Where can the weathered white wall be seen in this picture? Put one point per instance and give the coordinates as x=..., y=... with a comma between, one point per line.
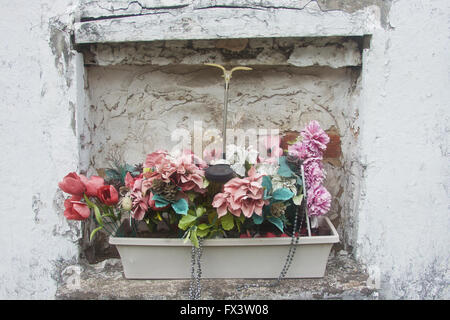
x=402, y=129
x=39, y=146
x=403, y=215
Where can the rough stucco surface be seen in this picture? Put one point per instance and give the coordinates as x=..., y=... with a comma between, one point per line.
x=404, y=209
x=39, y=146
x=400, y=217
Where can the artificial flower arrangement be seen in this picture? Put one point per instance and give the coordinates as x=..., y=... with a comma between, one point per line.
x=171, y=194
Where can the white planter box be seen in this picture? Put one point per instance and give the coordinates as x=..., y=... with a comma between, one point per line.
x=156, y=258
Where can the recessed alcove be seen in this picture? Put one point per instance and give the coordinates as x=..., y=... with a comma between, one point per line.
x=139, y=93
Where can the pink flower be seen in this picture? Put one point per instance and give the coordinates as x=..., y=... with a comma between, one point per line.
x=187, y=175
x=220, y=202
x=314, y=173
x=129, y=180
x=318, y=200
x=243, y=195
x=154, y=158
x=92, y=185
x=75, y=209
x=72, y=184
x=314, y=138
x=314, y=142
x=299, y=150
x=140, y=205
x=189, y=156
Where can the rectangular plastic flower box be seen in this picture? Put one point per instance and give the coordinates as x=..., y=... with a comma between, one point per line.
x=158, y=258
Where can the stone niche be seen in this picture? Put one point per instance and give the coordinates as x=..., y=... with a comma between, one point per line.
x=138, y=93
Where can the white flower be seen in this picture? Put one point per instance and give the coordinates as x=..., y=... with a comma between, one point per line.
x=279, y=182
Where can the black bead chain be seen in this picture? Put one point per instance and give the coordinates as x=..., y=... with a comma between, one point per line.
x=195, y=288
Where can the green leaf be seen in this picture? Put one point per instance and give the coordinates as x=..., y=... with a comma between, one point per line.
x=257, y=219
x=202, y=233
x=277, y=222
x=94, y=232
x=89, y=203
x=203, y=226
x=98, y=215
x=186, y=221
x=282, y=194
x=205, y=183
x=200, y=211
x=284, y=169
x=298, y=199
x=181, y=206
x=241, y=218
x=247, y=166
x=227, y=222
x=194, y=238
x=188, y=236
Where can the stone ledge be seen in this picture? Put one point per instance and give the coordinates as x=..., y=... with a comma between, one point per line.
x=344, y=279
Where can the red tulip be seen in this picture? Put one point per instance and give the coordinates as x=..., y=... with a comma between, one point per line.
x=72, y=184
x=76, y=210
x=284, y=235
x=108, y=195
x=93, y=184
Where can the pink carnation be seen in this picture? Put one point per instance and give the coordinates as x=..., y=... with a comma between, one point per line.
x=241, y=196
x=314, y=138
x=314, y=173
x=318, y=200
x=299, y=150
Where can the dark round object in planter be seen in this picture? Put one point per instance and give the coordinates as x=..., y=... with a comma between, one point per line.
x=220, y=173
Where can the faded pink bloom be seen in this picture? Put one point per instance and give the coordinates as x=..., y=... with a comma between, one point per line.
x=220, y=202
x=318, y=200
x=139, y=206
x=190, y=156
x=245, y=195
x=140, y=203
x=188, y=175
x=154, y=158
